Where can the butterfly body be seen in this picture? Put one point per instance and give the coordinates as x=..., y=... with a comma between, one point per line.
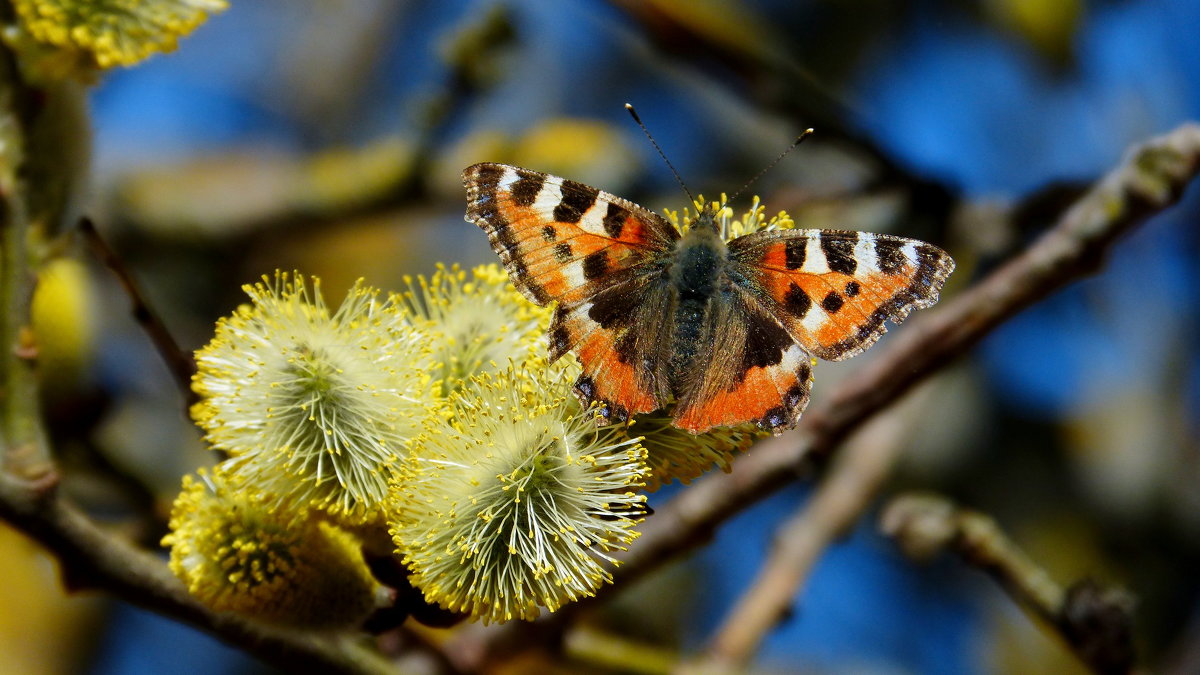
x=696, y=280
x=725, y=330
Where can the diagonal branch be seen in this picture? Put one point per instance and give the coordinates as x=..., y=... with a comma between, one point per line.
x=848, y=490
x=180, y=364
x=1151, y=178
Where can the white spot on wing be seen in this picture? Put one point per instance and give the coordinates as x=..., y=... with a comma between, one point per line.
x=815, y=318
x=549, y=197
x=593, y=218
x=507, y=179
x=793, y=357
x=573, y=271
x=864, y=252
x=814, y=258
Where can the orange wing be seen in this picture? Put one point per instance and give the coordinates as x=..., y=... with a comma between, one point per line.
x=561, y=240
x=600, y=258
x=833, y=290
x=755, y=371
x=798, y=293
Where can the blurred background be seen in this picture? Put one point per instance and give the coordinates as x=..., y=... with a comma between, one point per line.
x=328, y=136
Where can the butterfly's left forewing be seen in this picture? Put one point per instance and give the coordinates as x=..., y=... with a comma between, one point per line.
x=599, y=257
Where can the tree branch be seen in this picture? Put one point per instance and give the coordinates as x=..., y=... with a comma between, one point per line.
x=1151, y=178
x=92, y=559
x=1095, y=622
x=26, y=451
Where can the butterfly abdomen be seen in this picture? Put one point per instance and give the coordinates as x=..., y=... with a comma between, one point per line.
x=695, y=273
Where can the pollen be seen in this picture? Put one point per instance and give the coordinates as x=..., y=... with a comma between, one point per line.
x=476, y=320
x=675, y=454
x=753, y=220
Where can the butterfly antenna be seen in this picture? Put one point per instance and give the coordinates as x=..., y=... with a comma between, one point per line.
x=798, y=141
x=634, y=115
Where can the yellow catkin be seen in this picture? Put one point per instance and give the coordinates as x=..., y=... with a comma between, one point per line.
x=313, y=405
x=513, y=503
x=114, y=32
x=237, y=551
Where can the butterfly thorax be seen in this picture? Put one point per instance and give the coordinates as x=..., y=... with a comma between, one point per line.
x=696, y=274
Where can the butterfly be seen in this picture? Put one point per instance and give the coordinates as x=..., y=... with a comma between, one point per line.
x=726, y=330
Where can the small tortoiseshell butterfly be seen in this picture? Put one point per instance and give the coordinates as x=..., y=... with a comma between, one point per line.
x=725, y=329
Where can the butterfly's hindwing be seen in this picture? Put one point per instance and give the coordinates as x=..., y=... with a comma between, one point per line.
x=753, y=370
x=623, y=345
x=833, y=290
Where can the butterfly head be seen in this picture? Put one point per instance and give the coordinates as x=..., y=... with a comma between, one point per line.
x=707, y=219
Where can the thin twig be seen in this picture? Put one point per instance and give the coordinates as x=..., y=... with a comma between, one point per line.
x=27, y=451
x=1096, y=622
x=778, y=83
x=180, y=364
x=1151, y=178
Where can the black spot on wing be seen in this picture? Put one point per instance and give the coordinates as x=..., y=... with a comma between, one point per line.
x=832, y=302
x=486, y=177
x=562, y=253
x=612, y=413
x=612, y=308
x=626, y=347
x=929, y=262
x=889, y=256
x=585, y=389
x=775, y=418
x=795, y=250
x=766, y=341
x=614, y=220
x=549, y=235
x=560, y=339
x=839, y=251
x=577, y=198
x=852, y=289
x=796, y=301
x=525, y=190
x=595, y=265
x=794, y=401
